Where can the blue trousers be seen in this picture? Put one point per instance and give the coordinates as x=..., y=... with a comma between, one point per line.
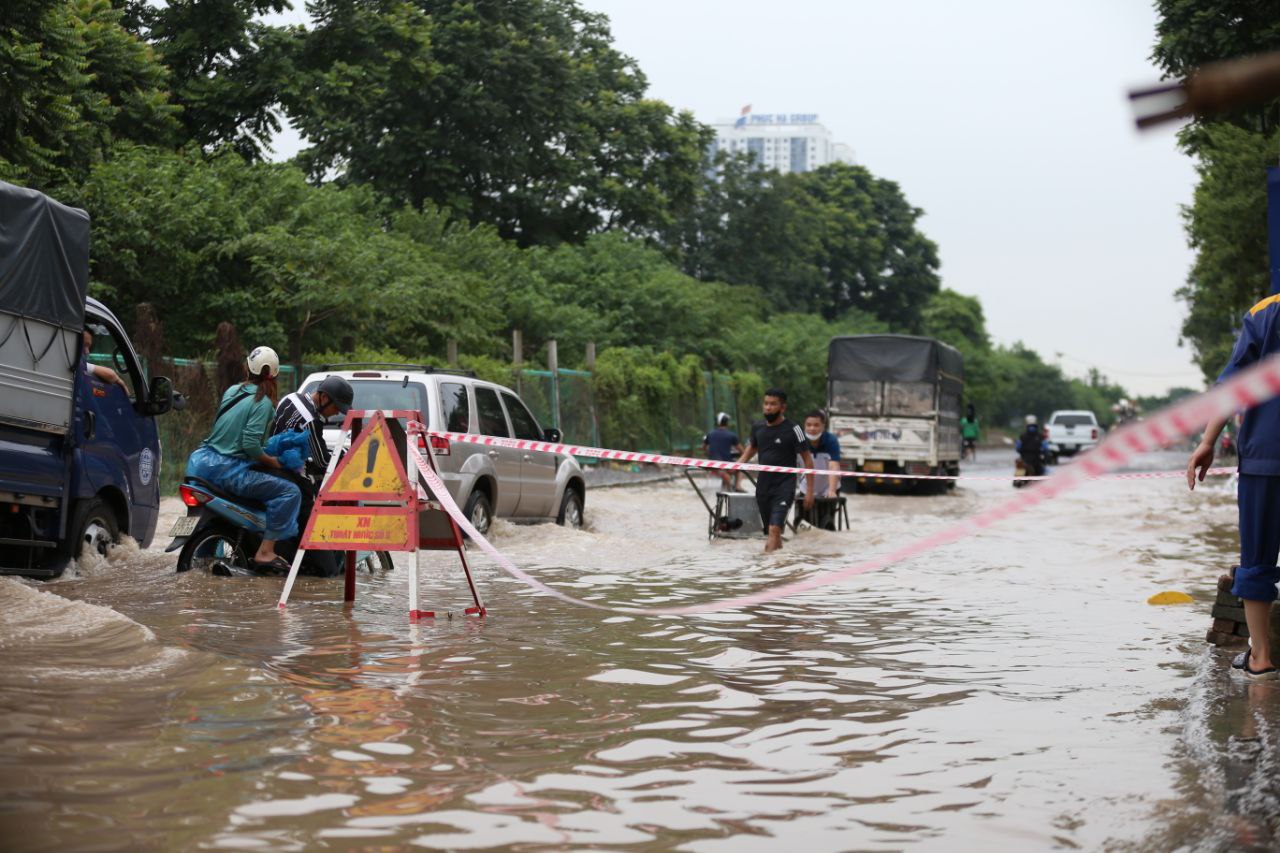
x=1258, y=497
x=237, y=476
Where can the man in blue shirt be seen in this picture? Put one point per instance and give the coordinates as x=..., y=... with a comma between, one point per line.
x=722, y=444
x=1258, y=490
x=825, y=449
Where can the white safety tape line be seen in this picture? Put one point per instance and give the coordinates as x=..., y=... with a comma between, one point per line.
x=441, y=493
x=1173, y=423
x=716, y=465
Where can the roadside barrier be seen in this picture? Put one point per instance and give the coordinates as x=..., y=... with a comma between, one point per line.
x=716, y=465
x=1173, y=423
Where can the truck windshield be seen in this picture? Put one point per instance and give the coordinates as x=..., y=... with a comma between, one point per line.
x=908, y=398
x=855, y=398
x=1073, y=420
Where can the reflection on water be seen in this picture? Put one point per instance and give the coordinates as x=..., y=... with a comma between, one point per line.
x=1011, y=689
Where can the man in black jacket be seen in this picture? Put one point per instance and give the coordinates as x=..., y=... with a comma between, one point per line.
x=299, y=412
x=778, y=441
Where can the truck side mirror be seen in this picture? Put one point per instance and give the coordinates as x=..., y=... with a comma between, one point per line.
x=161, y=397
x=552, y=435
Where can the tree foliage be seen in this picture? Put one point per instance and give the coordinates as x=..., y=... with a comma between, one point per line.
x=517, y=113
x=1226, y=222
x=227, y=70
x=823, y=241
x=72, y=82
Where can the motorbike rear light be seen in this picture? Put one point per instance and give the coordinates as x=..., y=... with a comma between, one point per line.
x=191, y=497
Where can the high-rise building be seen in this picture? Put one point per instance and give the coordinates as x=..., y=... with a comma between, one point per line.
x=788, y=142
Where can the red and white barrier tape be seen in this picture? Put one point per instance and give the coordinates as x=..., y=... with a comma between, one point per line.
x=716, y=465
x=1173, y=423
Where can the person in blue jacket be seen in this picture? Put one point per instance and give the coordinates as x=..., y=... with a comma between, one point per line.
x=1033, y=447
x=1257, y=491
x=236, y=444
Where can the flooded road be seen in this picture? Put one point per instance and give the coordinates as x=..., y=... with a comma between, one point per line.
x=1013, y=688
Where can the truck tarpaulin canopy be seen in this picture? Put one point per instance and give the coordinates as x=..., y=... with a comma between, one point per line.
x=892, y=358
x=44, y=258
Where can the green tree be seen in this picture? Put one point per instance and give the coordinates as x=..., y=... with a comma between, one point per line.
x=822, y=241
x=1191, y=33
x=518, y=113
x=72, y=82
x=1226, y=225
x=227, y=69
x=1226, y=222
x=294, y=266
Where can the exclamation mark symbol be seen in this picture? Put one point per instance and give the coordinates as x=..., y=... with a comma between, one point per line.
x=373, y=456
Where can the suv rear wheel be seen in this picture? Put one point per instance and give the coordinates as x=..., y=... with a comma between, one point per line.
x=479, y=512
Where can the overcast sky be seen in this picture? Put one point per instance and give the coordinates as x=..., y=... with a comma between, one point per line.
x=1005, y=120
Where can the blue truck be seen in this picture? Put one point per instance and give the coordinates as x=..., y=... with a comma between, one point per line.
x=79, y=446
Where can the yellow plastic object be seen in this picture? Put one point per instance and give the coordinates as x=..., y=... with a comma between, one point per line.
x=1170, y=597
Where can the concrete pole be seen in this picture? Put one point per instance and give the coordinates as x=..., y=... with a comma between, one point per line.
x=517, y=358
x=591, y=368
x=553, y=365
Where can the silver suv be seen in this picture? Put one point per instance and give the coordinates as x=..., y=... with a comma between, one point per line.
x=523, y=485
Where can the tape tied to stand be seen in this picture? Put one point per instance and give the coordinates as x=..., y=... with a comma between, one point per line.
x=1245, y=390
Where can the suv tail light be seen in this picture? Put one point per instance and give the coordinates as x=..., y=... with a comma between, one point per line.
x=439, y=444
x=191, y=497
x=1095, y=433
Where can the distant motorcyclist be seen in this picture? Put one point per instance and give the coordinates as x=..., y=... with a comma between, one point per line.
x=1032, y=447
x=236, y=444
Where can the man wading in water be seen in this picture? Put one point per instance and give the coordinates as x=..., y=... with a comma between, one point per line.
x=1258, y=491
x=778, y=441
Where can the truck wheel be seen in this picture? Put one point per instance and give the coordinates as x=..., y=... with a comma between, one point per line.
x=570, y=510
x=94, y=529
x=479, y=512
x=216, y=543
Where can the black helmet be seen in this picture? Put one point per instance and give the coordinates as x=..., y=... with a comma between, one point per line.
x=339, y=391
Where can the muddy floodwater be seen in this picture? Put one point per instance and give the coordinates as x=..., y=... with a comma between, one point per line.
x=1013, y=689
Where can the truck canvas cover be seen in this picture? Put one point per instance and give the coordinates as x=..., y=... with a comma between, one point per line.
x=44, y=277
x=893, y=358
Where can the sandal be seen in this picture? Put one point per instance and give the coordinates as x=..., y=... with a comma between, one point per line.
x=277, y=566
x=1271, y=673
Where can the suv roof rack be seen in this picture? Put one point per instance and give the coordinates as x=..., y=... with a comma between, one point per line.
x=419, y=368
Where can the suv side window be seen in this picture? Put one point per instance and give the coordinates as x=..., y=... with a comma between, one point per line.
x=525, y=426
x=457, y=408
x=490, y=410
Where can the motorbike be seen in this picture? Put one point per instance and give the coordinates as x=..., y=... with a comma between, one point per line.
x=1023, y=468
x=221, y=532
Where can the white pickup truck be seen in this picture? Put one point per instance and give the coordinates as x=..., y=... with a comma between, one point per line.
x=1071, y=431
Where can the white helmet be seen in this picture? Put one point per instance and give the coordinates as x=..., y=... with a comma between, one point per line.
x=1029, y=420
x=263, y=357
x=722, y=419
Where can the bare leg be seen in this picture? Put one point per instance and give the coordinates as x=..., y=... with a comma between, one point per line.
x=1258, y=615
x=266, y=551
x=775, y=539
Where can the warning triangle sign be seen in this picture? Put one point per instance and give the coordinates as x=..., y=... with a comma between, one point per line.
x=371, y=470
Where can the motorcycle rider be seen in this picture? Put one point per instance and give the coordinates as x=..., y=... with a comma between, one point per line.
x=1032, y=447
x=226, y=458
x=299, y=412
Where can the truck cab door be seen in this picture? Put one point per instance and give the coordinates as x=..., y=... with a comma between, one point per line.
x=116, y=440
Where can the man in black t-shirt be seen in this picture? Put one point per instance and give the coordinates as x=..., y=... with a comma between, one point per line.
x=778, y=441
